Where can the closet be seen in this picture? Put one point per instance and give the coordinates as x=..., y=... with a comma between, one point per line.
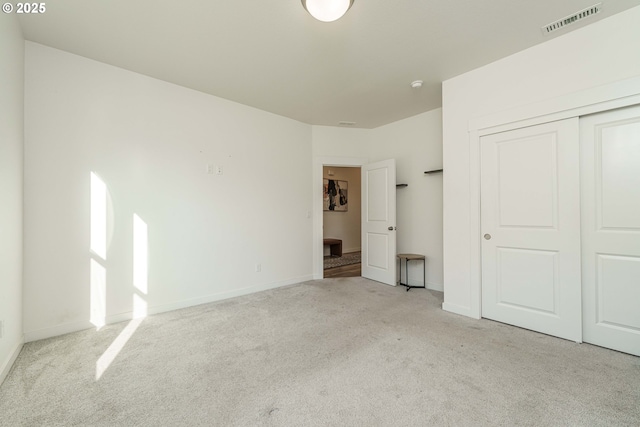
x=560, y=224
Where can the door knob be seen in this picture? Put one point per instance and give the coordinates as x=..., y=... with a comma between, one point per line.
x=391, y=228
x=487, y=236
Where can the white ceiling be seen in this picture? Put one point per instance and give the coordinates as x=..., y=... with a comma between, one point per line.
x=272, y=55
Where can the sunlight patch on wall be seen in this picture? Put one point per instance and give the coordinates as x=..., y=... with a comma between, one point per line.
x=140, y=266
x=98, y=216
x=139, y=307
x=98, y=309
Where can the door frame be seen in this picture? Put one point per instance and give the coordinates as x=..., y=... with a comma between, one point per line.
x=589, y=101
x=318, y=164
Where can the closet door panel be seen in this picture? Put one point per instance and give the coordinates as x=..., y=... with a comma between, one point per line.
x=610, y=174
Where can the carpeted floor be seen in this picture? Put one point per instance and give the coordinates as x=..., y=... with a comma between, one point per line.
x=323, y=353
x=346, y=259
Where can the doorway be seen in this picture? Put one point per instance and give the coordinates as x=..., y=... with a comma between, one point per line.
x=318, y=211
x=341, y=221
x=378, y=213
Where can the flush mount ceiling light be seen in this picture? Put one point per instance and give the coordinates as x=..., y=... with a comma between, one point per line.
x=327, y=10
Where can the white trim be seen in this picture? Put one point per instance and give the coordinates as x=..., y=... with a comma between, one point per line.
x=54, y=331
x=619, y=94
x=475, y=252
x=601, y=98
x=318, y=163
x=430, y=285
x=6, y=368
x=163, y=308
x=226, y=295
x=458, y=309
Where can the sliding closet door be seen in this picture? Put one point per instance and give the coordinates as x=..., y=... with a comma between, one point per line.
x=530, y=208
x=610, y=151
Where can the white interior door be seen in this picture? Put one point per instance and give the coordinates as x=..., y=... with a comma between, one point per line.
x=379, y=221
x=530, y=208
x=611, y=229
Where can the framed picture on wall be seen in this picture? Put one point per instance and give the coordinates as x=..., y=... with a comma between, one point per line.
x=336, y=195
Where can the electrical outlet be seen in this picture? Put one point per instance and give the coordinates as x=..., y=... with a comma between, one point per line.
x=210, y=169
x=218, y=170
x=258, y=268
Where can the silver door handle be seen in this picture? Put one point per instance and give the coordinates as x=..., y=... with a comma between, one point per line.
x=391, y=228
x=487, y=236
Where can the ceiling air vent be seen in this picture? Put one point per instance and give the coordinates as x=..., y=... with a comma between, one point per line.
x=561, y=23
x=344, y=123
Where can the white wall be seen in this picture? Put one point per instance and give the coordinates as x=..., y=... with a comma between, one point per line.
x=11, y=169
x=601, y=53
x=150, y=142
x=416, y=144
x=344, y=225
x=328, y=141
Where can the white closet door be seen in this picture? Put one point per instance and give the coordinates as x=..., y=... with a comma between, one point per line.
x=530, y=207
x=611, y=229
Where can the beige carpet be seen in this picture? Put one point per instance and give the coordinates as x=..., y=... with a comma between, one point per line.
x=333, y=352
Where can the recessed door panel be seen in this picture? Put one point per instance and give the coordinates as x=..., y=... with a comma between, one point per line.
x=377, y=209
x=618, y=180
x=618, y=292
x=527, y=182
x=377, y=249
x=528, y=279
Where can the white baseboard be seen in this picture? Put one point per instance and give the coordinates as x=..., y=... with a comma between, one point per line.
x=435, y=286
x=163, y=308
x=54, y=331
x=220, y=296
x=6, y=366
x=458, y=309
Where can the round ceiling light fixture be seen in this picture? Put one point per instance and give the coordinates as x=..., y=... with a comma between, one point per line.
x=327, y=10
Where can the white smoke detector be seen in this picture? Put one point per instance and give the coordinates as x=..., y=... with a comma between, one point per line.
x=416, y=84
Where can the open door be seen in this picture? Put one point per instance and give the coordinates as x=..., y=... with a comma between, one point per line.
x=379, y=221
